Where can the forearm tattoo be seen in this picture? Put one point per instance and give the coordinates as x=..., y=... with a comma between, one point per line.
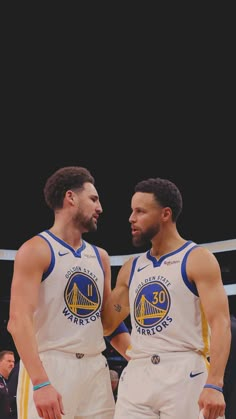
x=117, y=307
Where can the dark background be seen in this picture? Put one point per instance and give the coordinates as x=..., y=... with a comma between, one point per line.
x=123, y=130
x=128, y=100
x=204, y=174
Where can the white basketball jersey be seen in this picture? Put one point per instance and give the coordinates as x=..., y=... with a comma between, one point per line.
x=68, y=317
x=165, y=310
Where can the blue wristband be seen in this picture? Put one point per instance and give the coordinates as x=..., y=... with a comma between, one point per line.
x=214, y=387
x=122, y=328
x=46, y=383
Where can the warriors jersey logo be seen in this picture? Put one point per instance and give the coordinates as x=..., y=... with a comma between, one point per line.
x=151, y=304
x=81, y=295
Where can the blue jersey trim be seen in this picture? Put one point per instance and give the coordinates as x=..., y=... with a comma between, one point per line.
x=76, y=253
x=132, y=270
x=52, y=263
x=157, y=262
x=98, y=257
x=191, y=286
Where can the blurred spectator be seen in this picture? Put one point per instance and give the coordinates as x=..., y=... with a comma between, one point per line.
x=12, y=389
x=7, y=361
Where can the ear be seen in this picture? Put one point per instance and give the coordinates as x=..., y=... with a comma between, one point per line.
x=69, y=196
x=166, y=213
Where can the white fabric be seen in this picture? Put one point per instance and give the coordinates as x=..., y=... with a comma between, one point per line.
x=70, y=299
x=165, y=309
x=84, y=383
x=169, y=389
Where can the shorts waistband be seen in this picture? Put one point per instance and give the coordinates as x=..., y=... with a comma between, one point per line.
x=78, y=355
x=158, y=357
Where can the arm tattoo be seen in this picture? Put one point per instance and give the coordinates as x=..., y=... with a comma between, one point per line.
x=117, y=307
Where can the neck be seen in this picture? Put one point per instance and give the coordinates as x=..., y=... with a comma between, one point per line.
x=70, y=236
x=162, y=246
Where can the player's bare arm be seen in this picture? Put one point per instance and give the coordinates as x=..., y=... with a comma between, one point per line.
x=32, y=260
x=116, y=308
x=204, y=270
x=30, y=263
x=120, y=341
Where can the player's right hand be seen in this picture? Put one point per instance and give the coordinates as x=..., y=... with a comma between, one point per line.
x=48, y=403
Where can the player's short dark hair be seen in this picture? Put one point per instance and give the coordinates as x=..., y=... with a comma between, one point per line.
x=165, y=192
x=64, y=179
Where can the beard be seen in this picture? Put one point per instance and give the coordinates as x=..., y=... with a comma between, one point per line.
x=144, y=238
x=90, y=225
x=86, y=224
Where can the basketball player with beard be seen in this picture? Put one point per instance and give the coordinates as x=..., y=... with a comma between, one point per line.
x=60, y=283
x=179, y=315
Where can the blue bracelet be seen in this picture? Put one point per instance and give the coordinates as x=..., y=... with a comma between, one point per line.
x=214, y=387
x=46, y=383
x=122, y=328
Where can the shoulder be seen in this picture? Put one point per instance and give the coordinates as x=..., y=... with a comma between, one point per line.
x=125, y=271
x=104, y=257
x=34, y=244
x=201, y=254
x=201, y=264
x=129, y=262
x=34, y=249
x=103, y=253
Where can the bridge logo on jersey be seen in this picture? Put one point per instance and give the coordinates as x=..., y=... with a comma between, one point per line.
x=82, y=296
x=151, y=304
